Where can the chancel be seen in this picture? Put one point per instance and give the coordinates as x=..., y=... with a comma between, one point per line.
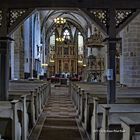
x=69, y=70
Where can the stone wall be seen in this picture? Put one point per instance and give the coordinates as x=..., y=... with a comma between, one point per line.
x=130, y=58
x=17, y=55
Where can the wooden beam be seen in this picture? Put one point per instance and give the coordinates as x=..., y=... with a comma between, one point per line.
x=20, y=20
x=4, y=22
x=128, y=20
x=71, y=3
x=95, y=20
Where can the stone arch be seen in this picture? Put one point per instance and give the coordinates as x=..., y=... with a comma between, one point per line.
x=80, y=4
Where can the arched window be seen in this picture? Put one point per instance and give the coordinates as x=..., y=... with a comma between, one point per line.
x=52, y=39
x=66, y=34
x=80, y=43
x=52, y=42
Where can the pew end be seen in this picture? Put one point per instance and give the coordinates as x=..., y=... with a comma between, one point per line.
x=131, y=128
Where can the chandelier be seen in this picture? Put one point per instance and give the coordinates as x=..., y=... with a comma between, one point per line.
x=60, y=39
x=60, y=20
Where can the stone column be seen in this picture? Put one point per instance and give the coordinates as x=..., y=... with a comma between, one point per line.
x=12, y=60
x=4, y=67
x=17, y=57
x=27, y=51
x=4, y=56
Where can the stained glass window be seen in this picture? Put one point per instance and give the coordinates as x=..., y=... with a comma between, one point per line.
x=66, y=34
x=52, y=39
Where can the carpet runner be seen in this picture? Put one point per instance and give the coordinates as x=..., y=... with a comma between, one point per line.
x=60, y=118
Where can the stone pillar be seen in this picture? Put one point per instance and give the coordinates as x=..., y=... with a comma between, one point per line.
x=4, y=56
x=12, y=61
x=4, y=67
x=18, y=63
x=130, y=59
x=27, y=49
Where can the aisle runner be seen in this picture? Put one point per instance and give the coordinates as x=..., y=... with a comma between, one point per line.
x=60, y=123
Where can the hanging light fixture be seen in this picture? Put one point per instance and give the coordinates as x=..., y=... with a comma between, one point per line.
x=60, y=20
x=60, y=39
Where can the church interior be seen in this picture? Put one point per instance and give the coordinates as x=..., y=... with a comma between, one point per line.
x=69, y=74
x=63, y=41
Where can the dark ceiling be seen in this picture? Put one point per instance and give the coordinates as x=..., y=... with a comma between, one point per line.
x=70, y=3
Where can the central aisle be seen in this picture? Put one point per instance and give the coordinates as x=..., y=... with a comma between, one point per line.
x=60, y=122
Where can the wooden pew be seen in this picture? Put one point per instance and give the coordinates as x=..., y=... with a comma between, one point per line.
x=10, y=126
x=86, y=102
x=39, y=87
x=94, y=117
x=110, y=120
x=29, y=103
x=36, y=99
x=24, y=84
x=131, y=127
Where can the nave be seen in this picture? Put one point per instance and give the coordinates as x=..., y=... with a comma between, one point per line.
x=59, y=120
x=94, y=42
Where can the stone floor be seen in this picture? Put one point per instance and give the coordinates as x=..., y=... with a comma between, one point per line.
x=59, y=119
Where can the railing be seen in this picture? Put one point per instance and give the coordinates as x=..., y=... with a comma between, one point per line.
x=80, y=99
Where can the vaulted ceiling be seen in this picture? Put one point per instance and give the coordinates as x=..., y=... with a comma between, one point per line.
x=76, y=17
